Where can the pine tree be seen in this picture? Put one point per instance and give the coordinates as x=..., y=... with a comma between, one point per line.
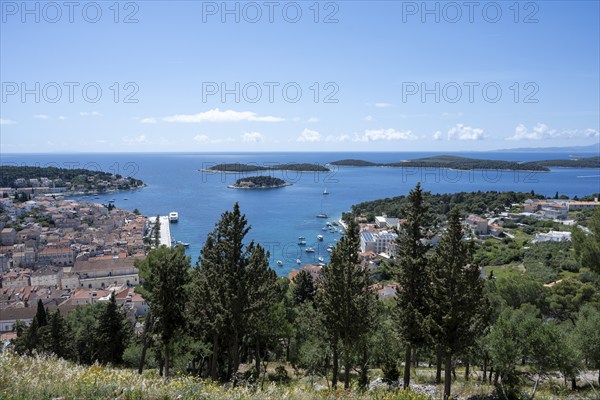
x=112, y=333
x=304, y=289
x=457, y=303
x=165, y=272
x=411, y=272
x=345, y=301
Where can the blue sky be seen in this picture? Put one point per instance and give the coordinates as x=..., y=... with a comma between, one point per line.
x=373, y=76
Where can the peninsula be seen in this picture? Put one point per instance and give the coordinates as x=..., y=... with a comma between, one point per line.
x=41, y=180
x=259, y=182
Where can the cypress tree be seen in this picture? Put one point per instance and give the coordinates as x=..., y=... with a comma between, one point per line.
x=345, y=301
x=40, y=315
x=165, y=273
x=58, y=335
x=112, y=333
x=304, y=289
x=458, y=308
x=261, y=299
x=219, y=290
x=411, y=274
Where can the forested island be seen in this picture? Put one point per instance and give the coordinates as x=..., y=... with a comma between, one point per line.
x=240, y=168
x=465, y=163
x=64, y=179
x=589, y=162
x=259, y=182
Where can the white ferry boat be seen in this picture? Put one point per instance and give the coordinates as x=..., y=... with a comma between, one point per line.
x=173, y=217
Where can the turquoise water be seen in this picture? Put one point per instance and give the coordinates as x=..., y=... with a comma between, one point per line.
x=279, y=216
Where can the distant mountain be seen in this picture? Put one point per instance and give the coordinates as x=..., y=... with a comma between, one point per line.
x=595, y=148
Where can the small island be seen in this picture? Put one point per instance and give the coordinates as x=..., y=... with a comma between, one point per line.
x=237, y=168
x=259, y=182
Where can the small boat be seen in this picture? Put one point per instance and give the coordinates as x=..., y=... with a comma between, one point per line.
x=324, y=229
x=180, y=243
x=322, y=215
x=320, y=237
x=321, y=259
x=279, y=262
x=329, y=249
x=173, y=216
x=310, y=250
x=301, y=238
x=302, y=243
x=125, y=198
x=328, y=223
x=298, y=261
x=325, y=192
x=111, y=201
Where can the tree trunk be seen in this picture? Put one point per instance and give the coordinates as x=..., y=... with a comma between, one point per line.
x=257, y=357
x=147, y=328
x=573, y=383
x=535, y=387
x=438, y=367
x=214, y=358
x=347, y=365
x=161, y=363
x=236, y=357
x=447, y=375
x=496, y=376
x=467, y=369
x=407, y=366
x=167, y=361
x=334, y=378
x=484, y=368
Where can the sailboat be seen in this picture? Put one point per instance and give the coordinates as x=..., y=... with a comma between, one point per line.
x=325, y=192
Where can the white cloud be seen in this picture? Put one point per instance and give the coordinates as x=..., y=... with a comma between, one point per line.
x=140, y=139
x=542, y=131
x=41, y=116
x=215, y=115
x=339, y=138
x=387, y=134
x=7, y=122
x=449, y=114
x=309, y=136
x=92, y=113
x=383, y=105
x=462, y=132
x=252, y=137
x=149, y=120
x=201, y=138
x=296, y=119
x=312, y=119
x=369, y=118
x=437, y=135
x=62, y=117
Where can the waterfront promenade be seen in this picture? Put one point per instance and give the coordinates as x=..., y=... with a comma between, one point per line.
x=165, y=230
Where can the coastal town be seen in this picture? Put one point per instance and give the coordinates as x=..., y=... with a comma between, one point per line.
x=66, y=253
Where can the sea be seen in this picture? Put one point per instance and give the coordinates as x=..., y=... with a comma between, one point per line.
x=278, y=217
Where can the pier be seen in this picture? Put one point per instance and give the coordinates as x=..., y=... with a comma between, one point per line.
x=165, y=229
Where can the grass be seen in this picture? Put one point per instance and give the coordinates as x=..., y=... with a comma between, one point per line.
x=49, y=378
x=43, y=377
